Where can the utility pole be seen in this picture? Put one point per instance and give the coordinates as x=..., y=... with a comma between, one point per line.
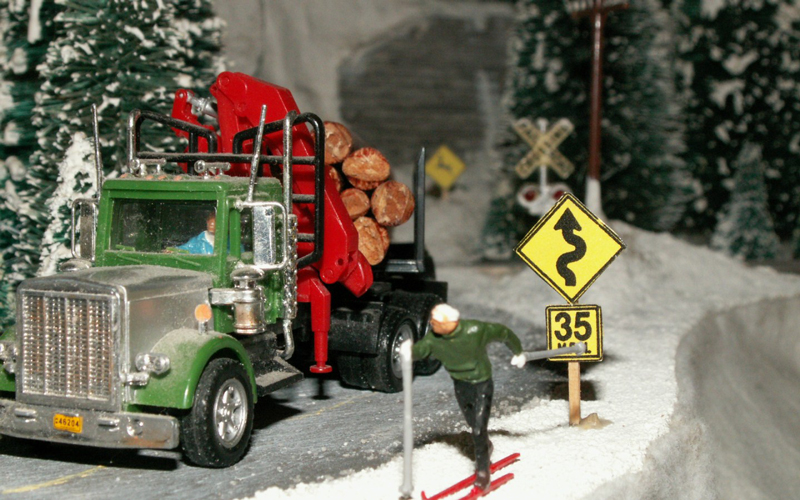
x=598, y=10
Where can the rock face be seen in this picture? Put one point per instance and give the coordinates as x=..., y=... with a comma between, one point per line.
x=399, y=97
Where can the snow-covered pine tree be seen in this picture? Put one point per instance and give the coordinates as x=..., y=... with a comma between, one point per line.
x=744, y=228
x=644, y=176
x=204, y=28
x=740, y=72
x=77, y=173
x=546, y=78
x=645, y=180
x=119, y=54
x=27, y=29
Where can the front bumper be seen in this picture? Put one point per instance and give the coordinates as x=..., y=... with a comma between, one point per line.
x=97, y=428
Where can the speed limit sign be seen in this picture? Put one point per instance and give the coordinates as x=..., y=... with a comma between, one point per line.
x=568, y=325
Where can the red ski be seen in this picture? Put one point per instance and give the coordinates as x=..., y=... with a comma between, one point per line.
x=476, y=492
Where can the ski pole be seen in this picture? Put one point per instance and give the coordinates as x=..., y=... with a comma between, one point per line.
x=408, y=433
x=579, y=348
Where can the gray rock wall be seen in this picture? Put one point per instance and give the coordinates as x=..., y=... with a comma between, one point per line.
x=400, y=73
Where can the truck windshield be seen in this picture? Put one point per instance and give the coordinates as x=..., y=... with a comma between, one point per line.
x=164, y=226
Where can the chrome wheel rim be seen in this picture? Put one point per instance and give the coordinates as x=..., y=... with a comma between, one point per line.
x=405, y=332
x=230, y=412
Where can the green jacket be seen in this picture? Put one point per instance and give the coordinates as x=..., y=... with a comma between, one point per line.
x=463, y=352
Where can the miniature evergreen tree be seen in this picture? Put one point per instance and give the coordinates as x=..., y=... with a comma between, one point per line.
x=77, y=173
x=645, y=180
x=740, y=73
x=28, y=28
x=745, y=228
x=545, y=79
x=119, y=54
x=197, y=19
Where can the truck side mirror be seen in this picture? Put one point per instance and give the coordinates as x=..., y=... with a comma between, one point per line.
x=264, y=246
x=83, y=247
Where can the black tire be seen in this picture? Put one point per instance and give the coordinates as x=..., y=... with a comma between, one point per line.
x=419, y=305
x=351, y=371
x=383, y=372
x=216, y=431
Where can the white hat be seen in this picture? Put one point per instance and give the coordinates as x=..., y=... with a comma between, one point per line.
x=444, y=313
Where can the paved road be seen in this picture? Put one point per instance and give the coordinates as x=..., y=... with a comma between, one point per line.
x=314, y=430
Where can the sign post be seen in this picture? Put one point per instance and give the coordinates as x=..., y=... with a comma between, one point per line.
x=569, y=247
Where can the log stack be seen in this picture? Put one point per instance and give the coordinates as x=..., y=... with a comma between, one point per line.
x=374, y=201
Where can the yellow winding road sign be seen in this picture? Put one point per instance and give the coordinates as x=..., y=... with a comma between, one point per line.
x=569, y=247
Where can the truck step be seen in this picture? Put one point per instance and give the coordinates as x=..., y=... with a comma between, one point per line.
x=277, y=375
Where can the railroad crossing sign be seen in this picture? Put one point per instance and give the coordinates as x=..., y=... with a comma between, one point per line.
x=569, y=247
x=544, y=144
x=568, y=325
x=444, y=167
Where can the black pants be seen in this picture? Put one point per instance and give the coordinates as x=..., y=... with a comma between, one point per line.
x=475, y=401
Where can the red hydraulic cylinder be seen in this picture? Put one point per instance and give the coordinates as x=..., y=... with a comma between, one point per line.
x=310, y=289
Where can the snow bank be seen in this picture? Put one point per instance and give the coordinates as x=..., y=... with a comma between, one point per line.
x=656, y=292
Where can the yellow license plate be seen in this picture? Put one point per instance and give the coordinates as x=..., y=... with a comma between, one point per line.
x=69, y=424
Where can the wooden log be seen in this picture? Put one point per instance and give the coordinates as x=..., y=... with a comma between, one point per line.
x=356, y=202
x=370, y=242
x=338, y=142
x=367, y=164
x=363, y=185
x=392, y=203
x=334, y=174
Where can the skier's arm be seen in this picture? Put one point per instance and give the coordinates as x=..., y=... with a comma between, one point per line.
x=421, y=349
x=495, y=332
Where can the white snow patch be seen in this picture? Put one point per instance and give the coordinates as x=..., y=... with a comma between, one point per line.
x=112, y=102
x=721, y=91
x=183, y=80
x=710, y=8
x=15, y=168
x=18, y=61
x=68, y=54
x=6, y=99
x=593, y=199
x=737, y=64
x=11, y=134
x=35, y=22
x=133, y=30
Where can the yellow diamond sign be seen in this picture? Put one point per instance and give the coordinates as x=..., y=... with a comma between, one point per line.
x=569, y=247
x=444, y=167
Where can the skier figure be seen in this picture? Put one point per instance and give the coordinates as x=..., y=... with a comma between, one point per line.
x=460, y=345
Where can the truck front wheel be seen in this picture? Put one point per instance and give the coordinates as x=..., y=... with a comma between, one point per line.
x=216, y=431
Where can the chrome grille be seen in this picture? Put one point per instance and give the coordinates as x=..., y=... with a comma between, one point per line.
x=68, y=347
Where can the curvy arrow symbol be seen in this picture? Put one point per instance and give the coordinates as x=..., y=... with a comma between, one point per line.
x=568, y=225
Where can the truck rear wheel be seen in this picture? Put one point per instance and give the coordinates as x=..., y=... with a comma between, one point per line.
x=216, y=431
x=383, y=371
x=420, y=305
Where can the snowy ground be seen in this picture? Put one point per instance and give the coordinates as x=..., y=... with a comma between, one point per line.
x=658, y=299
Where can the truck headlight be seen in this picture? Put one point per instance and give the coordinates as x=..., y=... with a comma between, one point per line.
x=8, y=355
x=152, y=363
